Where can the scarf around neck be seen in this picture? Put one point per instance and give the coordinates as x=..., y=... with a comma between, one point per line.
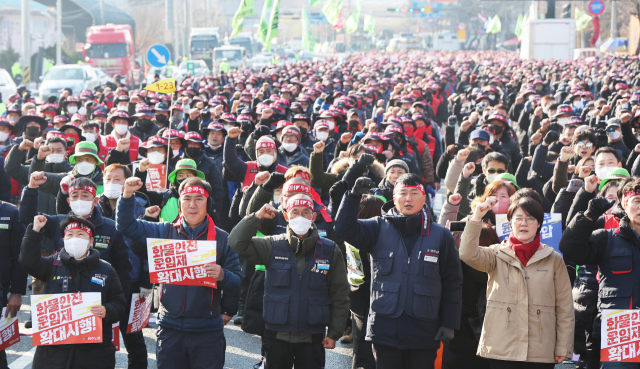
x=524, y=251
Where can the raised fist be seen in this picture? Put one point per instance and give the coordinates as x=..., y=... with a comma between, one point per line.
x=38, y=222
x=234, y=132
x=37, y=179
x=144, y=165
x=43, y=152
x=463, y=154
x=455, y=199
x=131, y=185
x=123, y=145
x=318, y=147
x=25, y=145
x=152, y=211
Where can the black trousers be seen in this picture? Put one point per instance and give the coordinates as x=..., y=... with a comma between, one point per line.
x=248, y=268
x=362, y=350
x=3, y=360
x=185, y=350
x=284, y=355
x=393, y=358
x=134, y=342
x=501, y=364
x=585, y=302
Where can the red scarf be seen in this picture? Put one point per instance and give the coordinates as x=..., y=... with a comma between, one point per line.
x=524, y=251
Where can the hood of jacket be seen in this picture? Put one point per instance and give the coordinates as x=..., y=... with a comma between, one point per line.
x=340, y=166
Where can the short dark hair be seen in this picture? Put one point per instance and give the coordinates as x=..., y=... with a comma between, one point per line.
x=495, y=156
x=90, y=124
x=609, y=150
x=370, y=207
x=530, y=207
x=584, y=135
x=610, y=183
x=526, y=192
x=631, y=186
x=354, y=149
x=409, y=179
x=112, y=167
x=621, y=185
x=74, y=218
x=55, y=139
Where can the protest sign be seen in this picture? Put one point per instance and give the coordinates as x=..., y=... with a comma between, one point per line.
x=9, y=334
x=139, y=313
x=156, y=177
x=65, y=318
x=550, y=233
x=181, y=261
x=620, y=336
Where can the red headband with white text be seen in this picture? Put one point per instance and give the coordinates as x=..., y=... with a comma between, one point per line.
x=400, y=186
x=292, y=203
x=194, y=189
x=76, y=225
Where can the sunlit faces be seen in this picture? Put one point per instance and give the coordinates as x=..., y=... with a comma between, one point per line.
x=215, y=138
x=409, y=200
x=184, y=174
x=584, y=148
x=193, y=206
x=524, y=226
x=393, y=173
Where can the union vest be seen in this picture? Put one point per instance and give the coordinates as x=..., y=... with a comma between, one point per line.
x=109, y=142
x=294, y=302
x=620, y=273
x=403, y=283
x=253, y=169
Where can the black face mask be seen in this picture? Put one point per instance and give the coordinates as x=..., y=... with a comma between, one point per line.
x=303, y=131
x=193, y=152
x=33, y=131
x=497, y=129
x=145, y=124
x=398, y=140
x=354, y=123
x=161, y=118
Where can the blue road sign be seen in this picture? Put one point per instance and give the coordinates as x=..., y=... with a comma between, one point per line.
x=158, y=56
x=596, y=7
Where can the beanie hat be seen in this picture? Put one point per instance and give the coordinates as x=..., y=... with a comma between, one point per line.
x=396, y=163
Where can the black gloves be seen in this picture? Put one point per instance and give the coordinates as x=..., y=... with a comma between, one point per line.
x=362, y=186
x=551, y=137
x=597, y=207
x=366, y=159
x=444, y=334
x=275, y=180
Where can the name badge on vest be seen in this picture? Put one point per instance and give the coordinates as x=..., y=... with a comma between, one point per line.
x=98, y=279
x=321, y=266
x=431, y=258
x=322, y=233
x=102, y=242
x=5, y=226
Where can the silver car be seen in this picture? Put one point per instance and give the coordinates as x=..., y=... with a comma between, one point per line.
x=77, y=77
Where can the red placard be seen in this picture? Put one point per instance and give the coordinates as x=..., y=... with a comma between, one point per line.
x=139, y=312
x=620, y=336
x=181, y=261
x=115, y=335
x=65, y=319
x=156, y=177
x=9, y=334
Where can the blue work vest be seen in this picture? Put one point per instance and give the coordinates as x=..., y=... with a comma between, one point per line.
x=294, y=302
x=620, y=273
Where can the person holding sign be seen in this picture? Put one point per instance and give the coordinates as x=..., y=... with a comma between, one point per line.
x=529, y=315
x=306, y=287
x=75, y=268
x=190, y=317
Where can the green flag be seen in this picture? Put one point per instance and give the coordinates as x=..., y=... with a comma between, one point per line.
x=273, y=24
x=369, y=24
x=314, y=2
x=496, y=26
x=518, y=30
x=246, y=9
x=308, y=42
x=352, y=23
x=331, y=10
x=582, y=20
x=262, y=31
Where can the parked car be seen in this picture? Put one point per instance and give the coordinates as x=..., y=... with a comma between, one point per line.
x=7, y=86
x=77, y=77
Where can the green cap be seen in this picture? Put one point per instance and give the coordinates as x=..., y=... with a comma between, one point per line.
x=85, y=148
x=616, y=174
x=507, y=177
x=188, y=164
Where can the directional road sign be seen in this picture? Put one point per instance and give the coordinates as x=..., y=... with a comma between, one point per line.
x=158, y=56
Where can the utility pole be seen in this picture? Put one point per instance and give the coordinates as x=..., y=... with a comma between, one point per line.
x=26, y=41
x=58, y=32
x=102, y=11
x=176, y=29
x=614, y=15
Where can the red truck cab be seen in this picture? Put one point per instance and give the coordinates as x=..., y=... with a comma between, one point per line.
x=111, y=48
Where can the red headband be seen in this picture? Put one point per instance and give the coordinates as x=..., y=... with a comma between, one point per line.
x=299, y=202
x=265, y=144
x=400, y=186
x=79, y=226
x=294, y=187
x=374, y=148
x=631, y=194
x=87, y=188
x=194, y=189
x=292, y=131
x=303, y=175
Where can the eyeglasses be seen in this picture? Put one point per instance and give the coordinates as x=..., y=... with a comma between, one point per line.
x=519, y=220
x=493, y=171
x=588, y=145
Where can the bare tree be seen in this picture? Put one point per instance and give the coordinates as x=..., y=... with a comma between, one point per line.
x=631, y=7
x=149, y=26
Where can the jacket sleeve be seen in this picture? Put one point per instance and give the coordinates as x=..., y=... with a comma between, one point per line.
x=580, y=203
x=339, y=294
x=560, y=178
x=120, y=260
x=217, y=187
x=428, y=170
x=5, y=183
x=242, y=241
x=628, y=138
x=320, y=177
x=234, y=168
x=449, y=213
x=462, y=188
x=30, y=259
x=117, y=157
x=116, y=302
x=479, y=258
x=539, y=161
x=361, y=234
x=631, y=159
x=565, y=314
x=13, y=165
x=135, y=229
x=29, y=205
x=443, y=164
x=18, y=275
x=231, y=282
x=451, y=277
x=453, y=173
x=582, y=242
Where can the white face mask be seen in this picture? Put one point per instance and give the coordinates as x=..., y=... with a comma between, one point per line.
x=82, y=111
x=112, y=190
x=175, y=152
x=266, y=160
x=76, y=247
x=72, y=109
x=55, y=158
x=322, y=136
x=155, y=157
x=603, y=172
x=491, y=97
x=290, y=147
x=121, y=129
x=202, y=83
x=492, y=177
x=85, y=168
x=122, y=107
x=577, y=104
x=89, y=137
x=300, y=225
x=614, y=135
x=563, y=121
x=81, y=208
x=332, y=125
x=277, y=199
x=3, y=136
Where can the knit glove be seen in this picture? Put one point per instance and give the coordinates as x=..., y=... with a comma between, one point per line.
x=362, y=186
x=366, y=159
x=275, y=180
x=597, y=207
x=551, y=137
x=444, y=334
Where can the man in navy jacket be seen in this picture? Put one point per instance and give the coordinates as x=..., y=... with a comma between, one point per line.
x=191, y=318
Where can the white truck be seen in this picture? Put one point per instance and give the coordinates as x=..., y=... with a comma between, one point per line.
x=446, y=41
x=548, y=39
x=202, y=41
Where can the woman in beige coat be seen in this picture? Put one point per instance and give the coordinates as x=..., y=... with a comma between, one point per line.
x=529, y=321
